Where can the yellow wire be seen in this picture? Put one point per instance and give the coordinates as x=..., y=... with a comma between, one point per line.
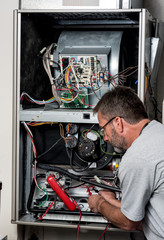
x=66, y=77
x=66, y=99
x=42, y=123
x=62, y=132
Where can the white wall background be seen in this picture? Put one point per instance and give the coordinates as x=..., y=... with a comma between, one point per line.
x=6, y=50
x=156, y=8
x=6, y=69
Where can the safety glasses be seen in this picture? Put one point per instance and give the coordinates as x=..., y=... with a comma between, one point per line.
x=102, y=129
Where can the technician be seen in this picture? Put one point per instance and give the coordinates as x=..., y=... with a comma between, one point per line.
x=125, y=125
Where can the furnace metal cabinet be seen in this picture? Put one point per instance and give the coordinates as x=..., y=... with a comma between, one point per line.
x=110, y=47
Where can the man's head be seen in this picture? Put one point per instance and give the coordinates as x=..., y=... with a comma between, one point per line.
x=122, y=101
x=123, y=107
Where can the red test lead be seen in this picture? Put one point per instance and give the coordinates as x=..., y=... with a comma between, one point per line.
x=62, y=195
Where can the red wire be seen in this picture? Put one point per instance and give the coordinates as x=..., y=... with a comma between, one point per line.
x=78, y=228
x=88, y=191
x=104, y=231
x=31, y=124
x=87, y=104
x=65, y=89
x=28, y=99
x=69, y=78
x=35, y=154
x=41, y=217
x=34, y=148
x=112, y=78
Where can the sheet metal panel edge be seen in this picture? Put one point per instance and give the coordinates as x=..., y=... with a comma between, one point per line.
x=79, y=10
x=14, y=114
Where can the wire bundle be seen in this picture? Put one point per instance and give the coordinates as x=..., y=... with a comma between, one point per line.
x=122, y=76
x=46, y=64
x=71, y=79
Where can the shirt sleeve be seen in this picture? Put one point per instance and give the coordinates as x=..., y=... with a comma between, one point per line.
x=136, y=182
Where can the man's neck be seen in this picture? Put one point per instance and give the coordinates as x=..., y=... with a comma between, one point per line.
x=134, y=131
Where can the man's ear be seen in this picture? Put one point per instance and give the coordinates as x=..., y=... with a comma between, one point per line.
x=118, y=124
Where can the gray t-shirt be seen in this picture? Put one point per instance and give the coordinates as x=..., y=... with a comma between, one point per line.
x=141, y=175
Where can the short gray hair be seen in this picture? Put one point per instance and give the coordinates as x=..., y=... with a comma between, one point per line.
x=122, y=101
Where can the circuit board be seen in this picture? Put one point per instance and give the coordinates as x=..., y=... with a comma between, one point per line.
x=81, y=101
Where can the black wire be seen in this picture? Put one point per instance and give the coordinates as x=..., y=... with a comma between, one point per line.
x=88, y=166
x=42, y=154
x=81, y=159
x=71, y=163
x=76, y=186
x=132, y=237
x=155, y=103
x=75, y=177
x=153, y=99
x=57, y=169
x=106, y=163
x=78, y=165
x=100, y=185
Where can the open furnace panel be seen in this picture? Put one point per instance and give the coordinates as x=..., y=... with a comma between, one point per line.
x=64, y=63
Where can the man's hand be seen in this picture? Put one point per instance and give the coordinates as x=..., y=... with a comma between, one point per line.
x=107, y=195
x=110, y=211
x=110, y=197
x=94, y=202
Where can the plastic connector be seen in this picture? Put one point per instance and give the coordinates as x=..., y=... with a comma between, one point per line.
x=97, y=179
x=43, y=50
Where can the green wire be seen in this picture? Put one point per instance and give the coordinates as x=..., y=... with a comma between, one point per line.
x=113, y=154
x=82, y=133
x=40, y=205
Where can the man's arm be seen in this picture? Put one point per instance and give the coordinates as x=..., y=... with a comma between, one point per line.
x=112, y=213
x=110, y=197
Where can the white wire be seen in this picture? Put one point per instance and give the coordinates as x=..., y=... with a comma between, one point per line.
x=60, y=73
x=77, y=81
x=70, y=100
x=46, y=64
x=27, y=128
